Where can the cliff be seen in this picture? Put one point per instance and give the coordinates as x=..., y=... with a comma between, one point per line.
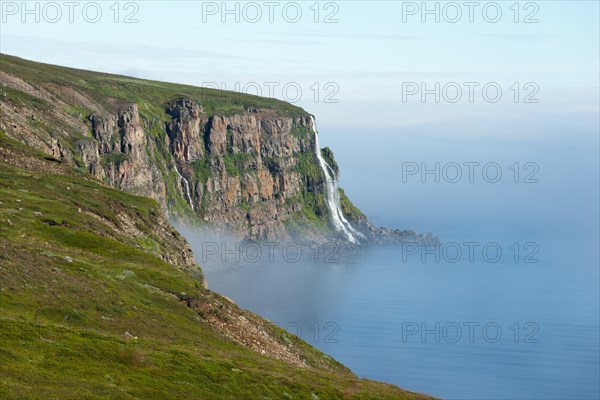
x=240, y=163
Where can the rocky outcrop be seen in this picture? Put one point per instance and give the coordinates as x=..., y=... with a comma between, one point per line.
x=122, y=153
x=242, y=168
x=186, y=131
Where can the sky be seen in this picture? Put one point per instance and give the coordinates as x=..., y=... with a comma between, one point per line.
x=353, y=64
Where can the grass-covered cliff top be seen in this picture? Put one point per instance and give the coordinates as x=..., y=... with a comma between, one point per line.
x=100, y=86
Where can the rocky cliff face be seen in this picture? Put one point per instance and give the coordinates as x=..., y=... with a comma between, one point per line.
x=252, y=172
x=241, y=164
x=243, y=169
x=120, y=153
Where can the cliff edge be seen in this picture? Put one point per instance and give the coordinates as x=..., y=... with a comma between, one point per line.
x=239, y=163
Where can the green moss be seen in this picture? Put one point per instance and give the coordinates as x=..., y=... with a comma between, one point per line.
x=327, y=154
x=313, y=210
x=154, y=120
x=237, y=164
x=114, y=159
x=349, y=209
x=307, y=166
x=244, y=204
x=314, y=207
x=301, y=132
x=201, y=169
x=78, y=112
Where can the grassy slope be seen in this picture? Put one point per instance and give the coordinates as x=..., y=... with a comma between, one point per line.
x=100, y=86
x=62, y=323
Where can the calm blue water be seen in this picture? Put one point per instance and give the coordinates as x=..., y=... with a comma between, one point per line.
x=470, y=329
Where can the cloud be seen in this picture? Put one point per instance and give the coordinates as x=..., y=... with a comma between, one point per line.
x=518, y=37
x=361, y=36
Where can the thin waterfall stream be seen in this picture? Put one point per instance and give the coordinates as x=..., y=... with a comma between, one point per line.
x=186, y=185
x=332, y=195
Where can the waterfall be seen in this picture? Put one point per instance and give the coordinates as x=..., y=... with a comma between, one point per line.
x=186, y=185
x=332, y=195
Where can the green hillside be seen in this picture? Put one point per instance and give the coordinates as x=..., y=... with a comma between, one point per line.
x=97, y=301
x=101, y=86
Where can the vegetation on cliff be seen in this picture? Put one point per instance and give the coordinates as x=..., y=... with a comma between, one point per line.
x=103, y=87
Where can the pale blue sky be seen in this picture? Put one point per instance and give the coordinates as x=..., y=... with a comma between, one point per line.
x=368, y=54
